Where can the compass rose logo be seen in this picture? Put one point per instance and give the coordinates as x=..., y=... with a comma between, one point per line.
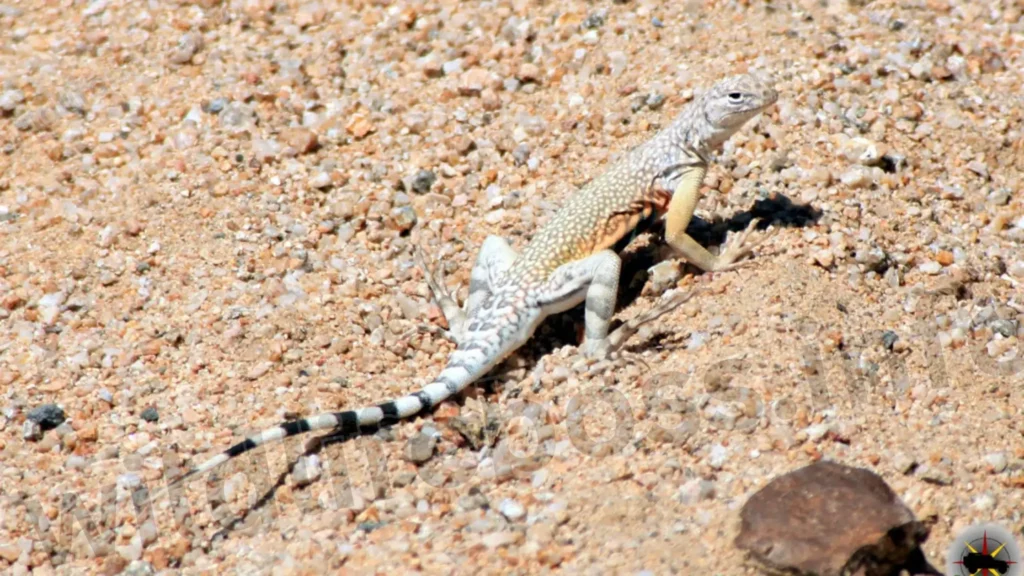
x=985, y=550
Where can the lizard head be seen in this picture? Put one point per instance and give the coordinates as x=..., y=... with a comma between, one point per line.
x=733, y=101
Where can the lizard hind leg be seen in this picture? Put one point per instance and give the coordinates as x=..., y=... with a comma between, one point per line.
x=494, y=259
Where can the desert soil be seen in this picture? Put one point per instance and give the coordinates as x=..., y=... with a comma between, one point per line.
x=208, y=212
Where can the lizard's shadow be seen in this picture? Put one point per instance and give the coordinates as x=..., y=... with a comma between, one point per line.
x=778, y=211
x=562, y=329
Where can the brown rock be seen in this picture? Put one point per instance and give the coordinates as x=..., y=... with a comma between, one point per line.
x=12, y=301
x=473, y=81
x=9, y=551
x=359, y=126
x=302, y=139
x=529, y=73
x=792, y=524
x=152, y=348
x=54, y=385
x=88, y=433
x=113, y=564
x=134, y=227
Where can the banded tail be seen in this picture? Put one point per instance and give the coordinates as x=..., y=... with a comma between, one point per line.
x=465, y=365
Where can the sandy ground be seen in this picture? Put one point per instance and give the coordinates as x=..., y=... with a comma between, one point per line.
x=208, y=209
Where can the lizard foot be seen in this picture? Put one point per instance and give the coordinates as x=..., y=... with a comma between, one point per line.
x=669, y=302
x=610, y=347
x=595, y=350
x=434, y=280
x=735, y=255
x=427, y=329
x=453, y=313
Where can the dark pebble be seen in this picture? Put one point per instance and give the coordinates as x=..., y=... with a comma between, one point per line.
x=48, y=416
x=369, y=526
x=889, y=339
x=1007, y=328
x=215, y=106
x=521, y=154
x=593, y=21
x=422, y=181
x=150, y=414
x=655, y=100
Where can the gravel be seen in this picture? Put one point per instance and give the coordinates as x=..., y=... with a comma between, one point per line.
x=220, y=226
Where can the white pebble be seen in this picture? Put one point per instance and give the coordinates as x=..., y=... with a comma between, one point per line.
x=320, y=181
x=511, y=509
x=718, y=457
x=997, y=460
x=307, y=470
x=1017, y=269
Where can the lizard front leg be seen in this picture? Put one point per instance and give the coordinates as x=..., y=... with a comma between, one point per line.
x=595, y=280
x=602, y=295
x=680, y=212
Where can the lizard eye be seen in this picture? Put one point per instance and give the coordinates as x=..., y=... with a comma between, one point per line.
x=735, y=97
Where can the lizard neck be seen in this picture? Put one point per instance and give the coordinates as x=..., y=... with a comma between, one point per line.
x=690, y=134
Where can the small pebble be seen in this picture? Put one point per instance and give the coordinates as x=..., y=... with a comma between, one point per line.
x=421, y=182
x=404, y=218
x=75, y=462
x=320, y=181
x=521, y=154
x=856, y=177
x=188, y=45
x=307, y=470
x=31, y=431
x=718, y=457
x=997, y=460
x=511, y=509
x=696, y=490
x=419, y=448
x=930, y=267
x=9, y=100
x=889, y=339
x=48, y=416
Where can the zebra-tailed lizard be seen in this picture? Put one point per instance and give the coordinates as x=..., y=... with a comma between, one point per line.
x=572, y=259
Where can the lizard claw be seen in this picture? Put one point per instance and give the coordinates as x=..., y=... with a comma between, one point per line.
x=735, y=255
x=433, y=278
x=453, y=313
x=426, y=329
x=669, y=302
x=610, y=348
